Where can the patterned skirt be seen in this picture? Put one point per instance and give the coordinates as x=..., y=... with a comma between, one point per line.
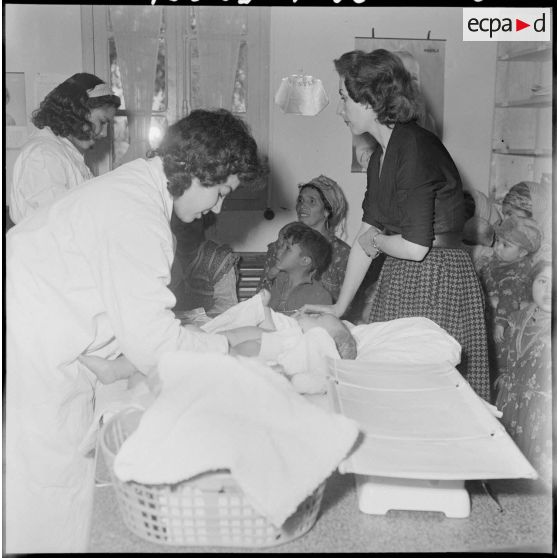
x=445, y=289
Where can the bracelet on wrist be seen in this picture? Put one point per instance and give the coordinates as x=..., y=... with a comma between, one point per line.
x=374, y=245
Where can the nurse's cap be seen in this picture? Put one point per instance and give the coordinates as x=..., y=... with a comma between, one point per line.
x=100, y=90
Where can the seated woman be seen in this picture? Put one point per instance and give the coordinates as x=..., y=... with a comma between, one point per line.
x=321, y=204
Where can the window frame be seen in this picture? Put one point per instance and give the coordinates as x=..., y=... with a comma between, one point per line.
x=96, y=61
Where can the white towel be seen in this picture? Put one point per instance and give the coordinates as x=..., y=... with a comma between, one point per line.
x=249, y=312
x=219, y=412
x=406, y=340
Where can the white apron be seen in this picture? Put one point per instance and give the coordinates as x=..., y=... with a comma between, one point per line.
x=47, y=167
x=85, y=275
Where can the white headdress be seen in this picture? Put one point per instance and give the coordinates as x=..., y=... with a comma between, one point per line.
x=100, y=90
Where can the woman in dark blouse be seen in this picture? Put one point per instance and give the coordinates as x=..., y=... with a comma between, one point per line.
x=413, y=212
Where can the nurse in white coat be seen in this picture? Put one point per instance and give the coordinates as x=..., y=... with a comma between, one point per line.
x=68, y=122
x=88, y=275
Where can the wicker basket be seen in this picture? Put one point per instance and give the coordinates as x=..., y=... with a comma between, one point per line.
x=207, y=510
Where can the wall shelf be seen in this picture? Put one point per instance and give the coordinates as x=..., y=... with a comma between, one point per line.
x=538, y=53
x=534, y=101
x=523, y=152
x=522, y=126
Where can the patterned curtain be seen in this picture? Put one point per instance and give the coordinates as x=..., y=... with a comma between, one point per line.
x=219, y=31
x=136, y=35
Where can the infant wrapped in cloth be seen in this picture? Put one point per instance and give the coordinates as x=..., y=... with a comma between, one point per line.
x=302, y=344
x=297, y=345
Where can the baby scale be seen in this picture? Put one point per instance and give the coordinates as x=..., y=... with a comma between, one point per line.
x=424, y=433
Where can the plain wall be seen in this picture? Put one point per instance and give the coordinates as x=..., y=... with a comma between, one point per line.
x=47, y=38
x=40, y=38
x=302, y=147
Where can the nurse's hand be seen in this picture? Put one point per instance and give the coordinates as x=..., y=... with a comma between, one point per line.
x=322, y=309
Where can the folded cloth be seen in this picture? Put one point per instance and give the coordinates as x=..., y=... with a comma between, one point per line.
x=424, y=342
x=249, y=312
x=220, y=412
x=306, y=360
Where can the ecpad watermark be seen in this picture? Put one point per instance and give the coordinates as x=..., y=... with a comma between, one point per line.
x=506, y=24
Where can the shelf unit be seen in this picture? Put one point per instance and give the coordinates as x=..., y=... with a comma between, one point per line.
x=522, y=127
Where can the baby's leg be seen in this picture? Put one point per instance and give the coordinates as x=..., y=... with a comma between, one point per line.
x=250, y=348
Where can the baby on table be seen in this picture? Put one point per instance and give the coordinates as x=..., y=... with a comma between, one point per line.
x=297, y=345
x=247, y=340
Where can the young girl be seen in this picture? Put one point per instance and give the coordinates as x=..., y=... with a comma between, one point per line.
x=525, y=387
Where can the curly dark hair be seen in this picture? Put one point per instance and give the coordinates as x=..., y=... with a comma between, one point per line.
x=312, y=244
x=209, y=145
x=66, y=108
x=380, y=79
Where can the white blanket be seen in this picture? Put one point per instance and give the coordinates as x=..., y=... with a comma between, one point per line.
x=219, y=412
x=303, y=356
x=305, y=359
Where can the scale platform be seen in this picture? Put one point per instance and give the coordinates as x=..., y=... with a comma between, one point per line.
x=419, y=422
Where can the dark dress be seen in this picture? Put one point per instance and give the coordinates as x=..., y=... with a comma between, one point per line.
x=281, y=300
x=525, y=387
x=419, y=195
x=506, y=286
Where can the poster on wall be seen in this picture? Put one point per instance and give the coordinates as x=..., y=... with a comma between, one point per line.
x=424, y=59
x=15, y=116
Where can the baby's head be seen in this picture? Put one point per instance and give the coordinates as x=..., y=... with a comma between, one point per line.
x=516, y=238
x=344, y=341
x=303, y=247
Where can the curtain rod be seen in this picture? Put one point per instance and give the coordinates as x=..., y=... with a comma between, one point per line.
x=372, y=36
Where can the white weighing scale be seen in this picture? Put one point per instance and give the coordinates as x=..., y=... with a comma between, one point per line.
x=425, y=432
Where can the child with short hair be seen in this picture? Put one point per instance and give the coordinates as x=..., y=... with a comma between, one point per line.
x=505, y=276
x=302, y=257
x=525, y=385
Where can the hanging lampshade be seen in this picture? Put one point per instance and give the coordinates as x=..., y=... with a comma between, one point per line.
x=301, y=94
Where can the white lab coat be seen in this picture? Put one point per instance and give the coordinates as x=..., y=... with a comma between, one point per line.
x=87, y=274
x=47, y=167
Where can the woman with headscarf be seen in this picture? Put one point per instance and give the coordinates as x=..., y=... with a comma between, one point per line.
x=321, y=204
x=69, y=121
x=532, y=200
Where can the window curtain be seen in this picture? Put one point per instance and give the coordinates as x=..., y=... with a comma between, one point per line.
x=136, y=34
x=219, y=32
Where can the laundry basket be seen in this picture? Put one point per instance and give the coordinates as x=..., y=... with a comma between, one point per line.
x=207, y=510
